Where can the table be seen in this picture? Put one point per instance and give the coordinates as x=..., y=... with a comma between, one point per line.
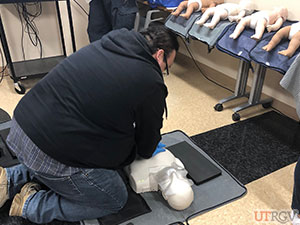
x=24, y=69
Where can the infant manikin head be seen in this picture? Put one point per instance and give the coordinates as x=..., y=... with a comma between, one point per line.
x=281, y=12
x=247, y=5
x=162, y=172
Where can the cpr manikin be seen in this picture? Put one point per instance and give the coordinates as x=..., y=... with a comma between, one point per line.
x=247, y=7
x=224, y=11
x=194, y=6
x=163, y=172
x=272, y=20
x=292, y=33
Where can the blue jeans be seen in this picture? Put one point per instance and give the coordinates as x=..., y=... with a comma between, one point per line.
x=107, y=15
x=88, y=194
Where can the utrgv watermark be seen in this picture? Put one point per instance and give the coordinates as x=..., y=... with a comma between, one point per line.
x=276, y=216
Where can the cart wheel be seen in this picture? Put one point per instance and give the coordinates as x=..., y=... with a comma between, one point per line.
x=266, y=105
x=19, y=88
x=236, y=117
x=218, y=107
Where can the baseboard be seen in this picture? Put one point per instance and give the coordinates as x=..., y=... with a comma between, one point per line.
x=229, y=82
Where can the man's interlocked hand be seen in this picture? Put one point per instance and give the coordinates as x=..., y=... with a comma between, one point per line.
x=160, y=148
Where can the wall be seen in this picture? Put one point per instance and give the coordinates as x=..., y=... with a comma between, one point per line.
x=48, y=30
x=228, y=65
x=47, y=25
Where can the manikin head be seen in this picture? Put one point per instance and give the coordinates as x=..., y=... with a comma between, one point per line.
x=175, y=188
x=247, y=5
x=282, y=12
x=163, y=172
x=163, y=45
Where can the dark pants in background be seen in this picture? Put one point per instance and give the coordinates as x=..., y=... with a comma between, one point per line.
x=296, y=192
x=107, y=15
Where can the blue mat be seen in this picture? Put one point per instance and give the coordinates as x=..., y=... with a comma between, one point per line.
x=272, y=59
x=207, y=35
x=240, y=47
x=180, y=25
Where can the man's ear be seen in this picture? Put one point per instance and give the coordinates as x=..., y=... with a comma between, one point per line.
x=159, y=55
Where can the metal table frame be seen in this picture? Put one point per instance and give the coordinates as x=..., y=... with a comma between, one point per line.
x=24, y=69
x=254, y=98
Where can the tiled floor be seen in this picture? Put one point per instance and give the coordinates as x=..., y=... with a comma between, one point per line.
x=190, y=109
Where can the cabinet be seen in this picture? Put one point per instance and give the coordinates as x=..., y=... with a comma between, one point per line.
x=24, y=69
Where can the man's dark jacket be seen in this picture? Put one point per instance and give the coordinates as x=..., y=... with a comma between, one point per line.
x=100, y=106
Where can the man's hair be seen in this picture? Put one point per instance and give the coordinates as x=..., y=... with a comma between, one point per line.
x=159, y=37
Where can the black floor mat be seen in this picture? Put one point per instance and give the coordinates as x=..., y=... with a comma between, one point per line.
x=248, y=149
x=253, y=148
x=134, y=207
x=4, y=116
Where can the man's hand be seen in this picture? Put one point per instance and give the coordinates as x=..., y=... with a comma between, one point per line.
x=160, y=148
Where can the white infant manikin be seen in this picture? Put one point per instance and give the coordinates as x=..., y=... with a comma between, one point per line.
x=162, y=172
x=270, y=19
x=247, y=7
x=225, y=11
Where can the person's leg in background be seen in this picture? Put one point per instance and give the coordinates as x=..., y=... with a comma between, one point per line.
x=89, y=194
x=296, y=194
x=99, y=22
x=123, y=13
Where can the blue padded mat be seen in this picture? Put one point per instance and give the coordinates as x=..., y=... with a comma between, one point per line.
x=207, y=35
x=240, y=47
x=180, y=25
x=272, y=59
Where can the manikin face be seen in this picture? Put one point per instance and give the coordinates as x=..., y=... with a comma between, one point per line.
x=159, y=55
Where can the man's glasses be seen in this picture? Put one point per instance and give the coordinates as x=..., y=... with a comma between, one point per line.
x=167, y=67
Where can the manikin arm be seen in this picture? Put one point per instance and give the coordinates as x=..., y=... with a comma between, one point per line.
x=208, y=13
x=218, y=2
x=293, y=46
x=283, y=33
x=246, y=9
x=191, y=6
x=276, y=25
x=182, y=6
x=222, y=12
x=210, y=3
x=238, y=17
x=209, y=6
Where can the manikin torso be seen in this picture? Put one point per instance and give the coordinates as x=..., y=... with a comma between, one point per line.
x=142, y=171
x=163, y=172
x=271, y=16
x=231, y=8
x=295, y=27
x=231, y=11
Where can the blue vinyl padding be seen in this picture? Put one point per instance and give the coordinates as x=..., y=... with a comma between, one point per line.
x=207, y=35
x=240, y=47
x=180, y=25
x=272, y=59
